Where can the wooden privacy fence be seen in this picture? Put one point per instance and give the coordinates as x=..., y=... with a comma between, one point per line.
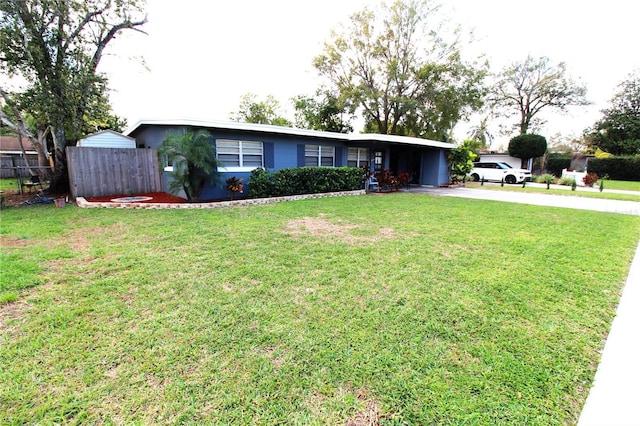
x=11, y=166
x=95, y=172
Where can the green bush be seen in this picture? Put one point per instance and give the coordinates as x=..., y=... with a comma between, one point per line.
x=555, y=165
x=528, y=145
x=616, y=168
x=546, y=178
x=261, y=183
x=303, y=180
x=566, y=181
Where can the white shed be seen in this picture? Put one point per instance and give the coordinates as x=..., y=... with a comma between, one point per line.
x=107, y=139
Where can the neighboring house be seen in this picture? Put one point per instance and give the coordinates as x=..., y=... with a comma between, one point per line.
x=12, y=160
x=107, y=139
x=514, y=162
x=242, y=147
x=10, y=146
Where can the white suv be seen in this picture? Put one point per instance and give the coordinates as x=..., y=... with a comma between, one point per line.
x=498, y=171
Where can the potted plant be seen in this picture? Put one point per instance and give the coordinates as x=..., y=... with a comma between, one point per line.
x=234, y=186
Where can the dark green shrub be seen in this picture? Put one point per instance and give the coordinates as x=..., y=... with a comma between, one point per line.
x=303, y=180
x=261, y=183
x=555, y=165
x=616, y=168
x=527, y=146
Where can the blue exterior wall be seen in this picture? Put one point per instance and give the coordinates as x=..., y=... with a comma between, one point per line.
x=435, y=167
x=282, y=151
x=279, y=151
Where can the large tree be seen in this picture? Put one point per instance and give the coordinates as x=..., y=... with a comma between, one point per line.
x=56, y=47
x=325, y=111
x=526, y=88
x=267, y=111
x=395, y=66
x=618, y=132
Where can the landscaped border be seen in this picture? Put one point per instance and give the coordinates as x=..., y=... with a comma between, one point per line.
x=82, y=202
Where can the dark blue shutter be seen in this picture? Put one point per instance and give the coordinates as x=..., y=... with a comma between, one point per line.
x=338, y=161
x=269, y=155
x=300, y=155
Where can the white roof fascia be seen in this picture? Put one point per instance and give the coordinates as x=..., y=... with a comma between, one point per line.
x=400, y=139
x=19, y=152
x=108, y=131
x=268, y=128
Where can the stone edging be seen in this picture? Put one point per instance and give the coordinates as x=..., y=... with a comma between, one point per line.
x=82, y=202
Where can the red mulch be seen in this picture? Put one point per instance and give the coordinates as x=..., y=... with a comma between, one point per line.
x=156, y=197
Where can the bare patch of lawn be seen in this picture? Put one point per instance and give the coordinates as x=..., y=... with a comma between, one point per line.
x=322, y=227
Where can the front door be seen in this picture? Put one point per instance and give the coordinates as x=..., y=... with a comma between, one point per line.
x=378, y=161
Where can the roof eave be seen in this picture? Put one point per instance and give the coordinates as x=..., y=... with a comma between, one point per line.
x=268, y=128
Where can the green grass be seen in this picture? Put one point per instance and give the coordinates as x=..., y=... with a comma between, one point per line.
x=9, y=184
x=606, y=195
x=412, y=308
x=622, y=184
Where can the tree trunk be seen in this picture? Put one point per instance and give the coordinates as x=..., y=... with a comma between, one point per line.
x=43, y=156
x=60, y=178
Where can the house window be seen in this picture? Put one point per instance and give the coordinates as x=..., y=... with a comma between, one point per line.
x=239, y=155
x=167, y=164
x=319, y=155
x=357, y=157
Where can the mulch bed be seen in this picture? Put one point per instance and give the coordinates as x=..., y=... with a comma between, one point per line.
x=153, y=197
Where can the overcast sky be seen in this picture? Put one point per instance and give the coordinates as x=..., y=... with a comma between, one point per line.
x=201, y=56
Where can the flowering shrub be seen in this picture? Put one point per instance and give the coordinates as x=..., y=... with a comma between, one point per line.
x=403, y=179
x=388, y=180
x=590, y=179
x=234, y=186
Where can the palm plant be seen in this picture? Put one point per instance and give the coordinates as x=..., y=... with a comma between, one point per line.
x=193, y=156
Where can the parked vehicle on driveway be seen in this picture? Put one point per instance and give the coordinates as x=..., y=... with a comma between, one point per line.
x=497, y=171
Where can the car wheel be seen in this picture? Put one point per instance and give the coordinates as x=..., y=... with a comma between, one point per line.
x=475, y=177
x=511, y=179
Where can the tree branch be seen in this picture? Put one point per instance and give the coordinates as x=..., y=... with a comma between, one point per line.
x=88, y=18
x=102, y=44
x=20, y=129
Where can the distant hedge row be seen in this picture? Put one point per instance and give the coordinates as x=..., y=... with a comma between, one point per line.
x=555, y=165
x=617, y=168
x=303, y=180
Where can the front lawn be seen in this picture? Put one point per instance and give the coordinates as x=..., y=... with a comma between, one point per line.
x=400, y=308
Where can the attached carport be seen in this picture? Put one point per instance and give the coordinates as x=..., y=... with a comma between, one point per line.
x=425, y=160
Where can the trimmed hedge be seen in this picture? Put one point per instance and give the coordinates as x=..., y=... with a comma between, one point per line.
x=616, y=168
x=303, y=180
x=555, y=165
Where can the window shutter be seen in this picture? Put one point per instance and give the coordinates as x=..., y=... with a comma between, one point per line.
x=338, y=159
x=300, y=155
x=269, y=155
